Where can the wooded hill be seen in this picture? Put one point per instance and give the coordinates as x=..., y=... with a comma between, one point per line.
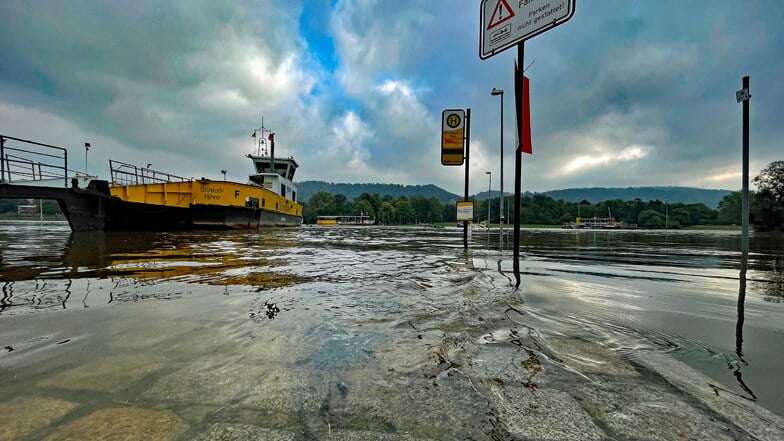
x=686, y=195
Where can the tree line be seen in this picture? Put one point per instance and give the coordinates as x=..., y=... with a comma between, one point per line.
x=536, y=209
x=766, y=212
x=766, y=208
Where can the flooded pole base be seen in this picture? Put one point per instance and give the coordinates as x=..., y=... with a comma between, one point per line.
x=518, y=172
x=467, y=156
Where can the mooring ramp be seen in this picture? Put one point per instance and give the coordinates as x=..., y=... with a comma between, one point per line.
x=34, y=170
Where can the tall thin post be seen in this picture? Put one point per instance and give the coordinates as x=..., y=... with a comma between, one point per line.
x=489, y=197
x=518, y=179
x=467, y=157
x=501, y=202
x=86, y=149
x=2, y=159
x=745, y=191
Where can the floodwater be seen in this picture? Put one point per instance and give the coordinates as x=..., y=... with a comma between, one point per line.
x=389, y=333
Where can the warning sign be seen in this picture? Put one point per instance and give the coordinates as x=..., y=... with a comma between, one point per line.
x=452, y=137
x=501, y=13
x=504, y=23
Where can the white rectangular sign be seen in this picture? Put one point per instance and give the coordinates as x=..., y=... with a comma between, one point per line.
x=507, y=22
x=465, y=211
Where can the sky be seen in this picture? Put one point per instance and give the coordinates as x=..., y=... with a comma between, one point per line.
x=626, y=93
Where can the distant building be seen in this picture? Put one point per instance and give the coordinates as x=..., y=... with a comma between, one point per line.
x=27, y=209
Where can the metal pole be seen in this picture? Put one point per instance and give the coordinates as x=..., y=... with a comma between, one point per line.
x=501, y=202
x=501, y=198
x=745, y=202
x=489, y=192
x=2, y=159
x=467, y=157
x=518, y=178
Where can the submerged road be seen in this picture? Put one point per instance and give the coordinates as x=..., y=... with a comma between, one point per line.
x=389, y=334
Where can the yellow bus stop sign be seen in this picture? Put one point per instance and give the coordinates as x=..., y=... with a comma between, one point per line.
x=452, y=137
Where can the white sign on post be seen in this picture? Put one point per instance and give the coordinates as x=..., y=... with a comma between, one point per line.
x=507, y=22
x=465, y=211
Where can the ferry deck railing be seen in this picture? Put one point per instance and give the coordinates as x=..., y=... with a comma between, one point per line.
x=31, y=161
x=128, y=174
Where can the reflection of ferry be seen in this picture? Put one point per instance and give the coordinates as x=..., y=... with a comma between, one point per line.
x=345, y=220
x=155, y=200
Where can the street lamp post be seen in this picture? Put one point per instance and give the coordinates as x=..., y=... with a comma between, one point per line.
x=500, y=92
x=489, y=192
x=86, y=149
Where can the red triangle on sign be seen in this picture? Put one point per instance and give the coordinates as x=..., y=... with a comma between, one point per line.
x=501, y=13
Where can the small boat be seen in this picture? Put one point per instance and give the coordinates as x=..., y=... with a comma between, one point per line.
x=599, y=223
x=158, y=200
x=345, y=220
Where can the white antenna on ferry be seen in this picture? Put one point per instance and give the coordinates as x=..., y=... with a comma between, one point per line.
x=260, y=139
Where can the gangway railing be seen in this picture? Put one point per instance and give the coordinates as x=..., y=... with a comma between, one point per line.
x=128, y=174
x=34, y=161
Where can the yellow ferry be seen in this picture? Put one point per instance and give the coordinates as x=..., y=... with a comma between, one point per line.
x=157, y=200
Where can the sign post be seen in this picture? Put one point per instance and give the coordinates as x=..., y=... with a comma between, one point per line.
x=502, y=24
x=743, y=96
x=456, y=148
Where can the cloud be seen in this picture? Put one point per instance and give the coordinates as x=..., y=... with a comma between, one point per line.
x=626, y=94
x=584, y=162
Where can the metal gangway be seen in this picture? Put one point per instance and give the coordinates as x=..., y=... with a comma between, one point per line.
x=123, y=174
x=25, y=162
x=34, y=170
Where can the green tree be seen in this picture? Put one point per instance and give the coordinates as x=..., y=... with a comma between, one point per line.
x=700, y=214
x=386, y=214
x=730, y=209
x=342, y=206
x=373, y=199
x=320, y=204
x=771, y=181
x=650, y=219
x=767, y=207
x=404, y=212
x=450, y=213
x=680, y=214
x=435, y=212
x=765, y=213
x=421, y=207
x=363, y=208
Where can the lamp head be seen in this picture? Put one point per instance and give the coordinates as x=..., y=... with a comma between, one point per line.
x=497, y=91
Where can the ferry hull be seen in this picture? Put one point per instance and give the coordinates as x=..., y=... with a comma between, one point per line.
x=201, y=204
x=131, y=216
x=206, y=216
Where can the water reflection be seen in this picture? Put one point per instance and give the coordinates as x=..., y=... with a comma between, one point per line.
x=736, y=364
x=318, y=317
x=43, y=271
